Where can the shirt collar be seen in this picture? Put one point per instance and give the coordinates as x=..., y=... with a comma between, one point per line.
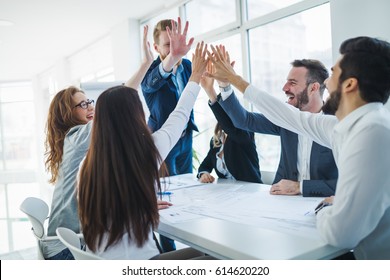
x=346, y=123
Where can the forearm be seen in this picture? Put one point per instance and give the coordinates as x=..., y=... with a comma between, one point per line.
x=210, y=91
x=315, y=126
x=238, y=82
x=195, y=77
x=136, y=79
x=169, y=62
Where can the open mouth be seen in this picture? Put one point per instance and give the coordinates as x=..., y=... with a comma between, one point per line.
x=90, y=117
x=290, y=97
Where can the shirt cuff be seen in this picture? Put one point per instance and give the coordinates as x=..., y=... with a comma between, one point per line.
x=211, y=103
x=162, y=71
x=301, y=187
x=226, y=94
x=200, y=174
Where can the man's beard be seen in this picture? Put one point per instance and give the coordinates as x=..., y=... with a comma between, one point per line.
x=332, y=104
x=303, y=99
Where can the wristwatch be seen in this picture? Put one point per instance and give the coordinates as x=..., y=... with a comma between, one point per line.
x=225, y=89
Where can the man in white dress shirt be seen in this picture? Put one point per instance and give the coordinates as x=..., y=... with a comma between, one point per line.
x=358, y=216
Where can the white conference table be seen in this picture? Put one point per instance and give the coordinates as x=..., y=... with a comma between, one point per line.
x=239, y=220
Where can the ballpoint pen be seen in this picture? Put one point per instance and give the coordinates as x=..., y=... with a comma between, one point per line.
x=320, y=206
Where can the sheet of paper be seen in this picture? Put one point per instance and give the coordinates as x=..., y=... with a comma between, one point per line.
x=174, y=216
x=245, y=204
x=179, y=182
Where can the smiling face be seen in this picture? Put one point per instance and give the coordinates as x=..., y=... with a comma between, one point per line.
x=80, y=114
x=163, y=45
x=296, y=88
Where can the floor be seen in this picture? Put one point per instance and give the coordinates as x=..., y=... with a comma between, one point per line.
x=25, y=254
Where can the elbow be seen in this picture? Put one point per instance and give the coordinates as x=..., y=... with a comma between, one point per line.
x=339, y=235
x=339, y=241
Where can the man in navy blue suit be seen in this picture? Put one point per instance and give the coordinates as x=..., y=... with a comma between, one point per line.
x=305, y=167
x=162, y=86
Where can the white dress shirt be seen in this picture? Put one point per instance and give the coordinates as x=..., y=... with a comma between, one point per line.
x=303, y=152
x=359, y=218
x=221, y=164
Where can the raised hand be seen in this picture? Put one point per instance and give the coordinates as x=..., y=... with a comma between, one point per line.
x=221, y=61
x=226, y=55
x=178, y=45
x=148, y=55
x=199, y=62
x=147, y=60
x=207, y=83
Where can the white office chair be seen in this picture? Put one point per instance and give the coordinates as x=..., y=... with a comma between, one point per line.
x=72, y=241
x=37, y=211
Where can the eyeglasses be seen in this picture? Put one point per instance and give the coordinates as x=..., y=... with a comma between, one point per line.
x=84, y=104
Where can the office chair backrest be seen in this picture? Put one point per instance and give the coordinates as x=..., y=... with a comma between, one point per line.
x=72, y=241
x=36, y=210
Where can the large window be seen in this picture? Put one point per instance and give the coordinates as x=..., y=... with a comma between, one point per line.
x=17, y=127
x=263, y=37
x=18, y=162
x=208, y=15
x=272, y=47
x=256, y=8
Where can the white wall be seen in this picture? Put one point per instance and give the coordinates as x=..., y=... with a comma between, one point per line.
x=126, y=48
x=352, y=18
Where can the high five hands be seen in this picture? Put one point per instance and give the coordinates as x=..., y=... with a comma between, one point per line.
x=222, y=67
x=215, y=66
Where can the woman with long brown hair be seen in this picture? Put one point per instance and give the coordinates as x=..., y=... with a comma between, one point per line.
x=68, y=134
x=119, y=178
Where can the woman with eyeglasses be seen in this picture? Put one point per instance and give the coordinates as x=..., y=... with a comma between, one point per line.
x=68, y=134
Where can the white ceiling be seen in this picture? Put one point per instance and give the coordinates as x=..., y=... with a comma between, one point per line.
x=46, y=30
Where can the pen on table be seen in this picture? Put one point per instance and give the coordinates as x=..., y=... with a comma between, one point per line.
x=320, y=206
x=307, y=213
x=165, y=193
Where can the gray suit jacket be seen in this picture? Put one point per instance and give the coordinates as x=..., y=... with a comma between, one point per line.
x=323, y=170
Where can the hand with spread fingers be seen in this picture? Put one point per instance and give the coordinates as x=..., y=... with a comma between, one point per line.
x=178, y=39
x=148, y=55
x=220, y=58
x=199, y=62
x=147, y=60
x=207, y=83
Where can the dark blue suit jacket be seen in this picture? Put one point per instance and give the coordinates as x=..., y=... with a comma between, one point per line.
x=323, y=170
x=161, y=95
x=239, y=149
